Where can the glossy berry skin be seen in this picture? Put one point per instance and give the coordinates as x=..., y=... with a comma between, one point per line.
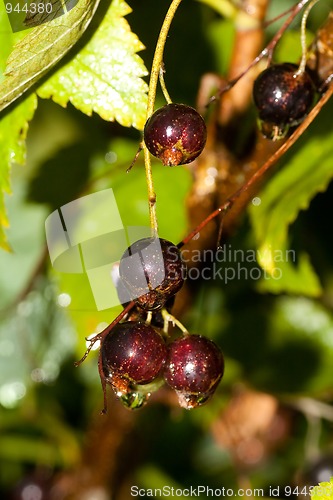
x=194, y=368
x=282, y=97
x=152, y=271
x=132, y=353
x=176, y=134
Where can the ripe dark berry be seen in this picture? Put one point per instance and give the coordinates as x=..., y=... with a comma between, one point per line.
x=132, y=353
x=194, y=367
x=152, y=271
x=283, y=98
x=176, y=134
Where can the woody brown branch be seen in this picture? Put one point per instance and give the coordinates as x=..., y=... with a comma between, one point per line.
x=232, y=172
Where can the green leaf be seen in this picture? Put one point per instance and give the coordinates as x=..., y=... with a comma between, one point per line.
x=306, y=171
x=6, y=40
x=27, y=240
x=41, y=48
x=221, y=35
x=282, y=344
x=105, y=76
x=223, y=7
x=324, y=491
x=299, y=339
x=13, y=132
x=283, y=275
x=10, y=126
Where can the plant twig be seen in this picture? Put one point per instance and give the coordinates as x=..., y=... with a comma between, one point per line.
x=227, y=205
x=163, y=86
x=100, y=336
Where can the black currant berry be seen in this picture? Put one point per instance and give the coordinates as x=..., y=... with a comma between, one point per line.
x=152, y=271
x=194, y=367
x=132, y=353
x=176, y=134
x=283, y=98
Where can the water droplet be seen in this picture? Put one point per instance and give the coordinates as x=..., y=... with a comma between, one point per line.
x=11, y=392
x=24, y=308
x=134, y=400
x=111, y=157
x=32, y=492
x=64, y=299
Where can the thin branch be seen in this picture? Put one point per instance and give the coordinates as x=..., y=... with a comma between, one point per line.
x=227, y=205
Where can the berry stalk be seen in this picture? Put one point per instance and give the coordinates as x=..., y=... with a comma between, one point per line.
x=154, y=76
x=302, y=65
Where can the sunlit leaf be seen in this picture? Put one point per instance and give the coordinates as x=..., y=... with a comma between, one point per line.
x=106, y=75
x=41, y=48
x=26, y=238
x=13, y=131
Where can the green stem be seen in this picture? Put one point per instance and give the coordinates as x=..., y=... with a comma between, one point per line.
x=302, y=64
x=154, y=75
x=158, y=56
x=151, y=193
x=163, y=87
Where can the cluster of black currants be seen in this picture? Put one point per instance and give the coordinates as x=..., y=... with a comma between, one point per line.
x=137, y=355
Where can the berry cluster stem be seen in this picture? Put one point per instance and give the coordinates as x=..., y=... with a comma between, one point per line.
x=168, y=318
x=154, y=76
